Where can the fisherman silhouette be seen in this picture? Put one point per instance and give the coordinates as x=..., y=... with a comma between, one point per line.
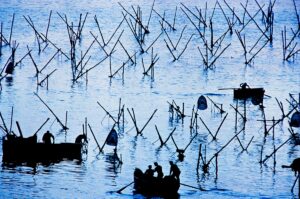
x=174, y=171
x=80, y=139
x=47, y=138
x=244, y=85
x=158, y=169
x=295, y=166
x=149, y=172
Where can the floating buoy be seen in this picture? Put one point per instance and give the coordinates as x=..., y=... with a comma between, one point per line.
x=112, y=138
x=202, y=103
x=295, y=120
x=9, y=68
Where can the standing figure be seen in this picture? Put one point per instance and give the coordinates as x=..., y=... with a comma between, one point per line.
x=47, y=138
x=158, y=169
x=174, y=171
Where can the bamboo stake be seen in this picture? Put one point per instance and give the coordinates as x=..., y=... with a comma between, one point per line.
x=48, y=24
x=11, y=28
x=275, y=150
x=58, y=120
x=100, y=151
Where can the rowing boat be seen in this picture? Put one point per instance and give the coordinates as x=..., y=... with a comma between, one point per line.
x=154, y=187
x=17, y=149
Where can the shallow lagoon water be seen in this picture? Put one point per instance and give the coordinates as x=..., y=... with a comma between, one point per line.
x=239, y=173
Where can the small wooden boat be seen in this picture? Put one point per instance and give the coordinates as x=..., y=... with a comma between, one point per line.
x=152, y=186
x=245, y=92
x=18, y=150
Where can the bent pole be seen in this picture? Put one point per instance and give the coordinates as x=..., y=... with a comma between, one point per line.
x=120, y=190
x=199, y=188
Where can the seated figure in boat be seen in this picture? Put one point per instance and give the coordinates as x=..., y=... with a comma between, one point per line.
x=47, y=138
x=149, y=173
x=244, y=85
x=80, y=139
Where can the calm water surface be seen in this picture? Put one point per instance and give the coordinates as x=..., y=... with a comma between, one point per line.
x=240, y=175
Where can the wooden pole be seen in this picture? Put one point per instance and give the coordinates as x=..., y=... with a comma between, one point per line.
x=11, y=28
x=58, y=120
x=95, y=138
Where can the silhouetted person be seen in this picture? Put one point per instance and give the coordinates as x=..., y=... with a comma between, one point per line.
x=159, y=171
x=149, y=172
x=174, y=170
x=47, y=138
x=244, y=85
x=81, y=139
x=295, y=165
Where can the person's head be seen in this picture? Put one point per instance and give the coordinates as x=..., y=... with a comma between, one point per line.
x=171, y=162
x=149, y=166
x=48, y=131
x=155, y=163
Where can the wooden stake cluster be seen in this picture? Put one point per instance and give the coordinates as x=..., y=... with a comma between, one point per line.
x=138, y=28
x=220, y=108
x=64, y=127
x=162, y=143
x=175, y=109
x=119, y=118
x=181, y=151
x=132, y=115
x=211, y=46
x=205, y=163
x=154, y=59
x=217, y=131
x=194, y=120
x=289, y=48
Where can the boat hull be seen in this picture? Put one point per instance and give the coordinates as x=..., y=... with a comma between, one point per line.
x=254, y=93
x=166, y=187
x=28, y=151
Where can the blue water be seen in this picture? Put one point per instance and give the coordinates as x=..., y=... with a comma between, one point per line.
x=240, y=175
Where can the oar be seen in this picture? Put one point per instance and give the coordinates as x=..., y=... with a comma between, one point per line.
x=226, y=88
x=201, y=189
x=120, y=190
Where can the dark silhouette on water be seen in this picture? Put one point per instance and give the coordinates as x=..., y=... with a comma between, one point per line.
x=245, y=92
x=80, y=139
x=47, y=138
x=10, y=68
x=202, y=103
x=166, y=187
x=174, y=171
x=149, y=173
x=17, y=149
x=295, y=166
x=159, y=171
x=295, y=120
